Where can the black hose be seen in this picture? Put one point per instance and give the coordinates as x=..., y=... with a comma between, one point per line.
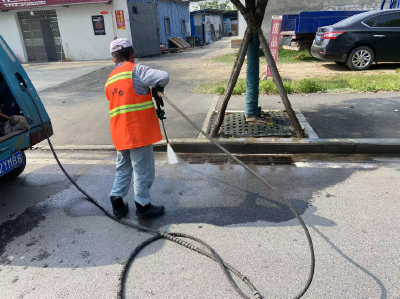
x=177, y=237
x=269, y=186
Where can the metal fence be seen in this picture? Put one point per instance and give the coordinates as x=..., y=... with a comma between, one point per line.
x=33, y=38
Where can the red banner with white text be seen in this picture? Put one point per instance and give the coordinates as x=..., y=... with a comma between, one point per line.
x=276, y=25
x=120, y=19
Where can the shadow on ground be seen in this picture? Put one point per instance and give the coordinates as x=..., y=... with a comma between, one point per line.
x=361, y=117
x=375, y=67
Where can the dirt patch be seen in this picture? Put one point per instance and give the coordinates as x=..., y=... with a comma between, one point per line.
x=326, y=69
x=198, y=65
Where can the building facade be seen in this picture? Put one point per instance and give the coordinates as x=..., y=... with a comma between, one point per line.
x=51, y=30
x=204, y=22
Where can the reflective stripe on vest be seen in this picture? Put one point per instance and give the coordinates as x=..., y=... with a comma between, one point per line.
x=120, y=76
x=131, y=108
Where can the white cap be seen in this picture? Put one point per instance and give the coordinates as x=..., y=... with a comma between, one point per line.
x=119, y=44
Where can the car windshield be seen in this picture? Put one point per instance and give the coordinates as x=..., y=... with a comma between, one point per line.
x=353, y=19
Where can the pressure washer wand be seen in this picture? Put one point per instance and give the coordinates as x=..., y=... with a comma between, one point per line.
x=161, y=117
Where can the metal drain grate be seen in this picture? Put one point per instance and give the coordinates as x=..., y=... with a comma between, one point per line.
x=235, y=125
x=246, y=159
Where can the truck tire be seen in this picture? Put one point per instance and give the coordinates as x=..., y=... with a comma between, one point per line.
x=361, y=59
x=15, y=172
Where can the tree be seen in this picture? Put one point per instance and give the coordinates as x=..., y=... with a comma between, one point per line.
x=254, y=15
x=216, y=4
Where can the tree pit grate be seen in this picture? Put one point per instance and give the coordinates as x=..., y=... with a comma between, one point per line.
x=235, y=125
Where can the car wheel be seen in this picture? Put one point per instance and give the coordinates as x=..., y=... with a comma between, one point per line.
x=340, y=63
x=15, y=172
x=360, y=59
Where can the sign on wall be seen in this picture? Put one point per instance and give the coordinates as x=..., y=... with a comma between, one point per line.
x=98, y=25
x=15, y=4
x=276, y=26
x=120, y=19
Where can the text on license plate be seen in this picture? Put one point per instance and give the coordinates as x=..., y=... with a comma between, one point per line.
x=318, y=38
x=11, y=162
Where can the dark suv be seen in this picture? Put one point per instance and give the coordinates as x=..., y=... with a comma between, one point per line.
x=360, y=40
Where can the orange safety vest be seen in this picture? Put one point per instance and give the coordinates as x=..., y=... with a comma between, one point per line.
x=133, y=120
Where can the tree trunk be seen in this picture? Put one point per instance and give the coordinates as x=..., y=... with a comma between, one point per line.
x=252, y=76
x=279, y=84
x=233, y=80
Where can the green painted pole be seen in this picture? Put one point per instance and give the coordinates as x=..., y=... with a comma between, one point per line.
x=252, y=76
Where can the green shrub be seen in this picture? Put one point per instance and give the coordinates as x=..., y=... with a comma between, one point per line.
x=239, y=88
x=310, y=86
x=289, y=87
x=268, y=86
x=219, y=90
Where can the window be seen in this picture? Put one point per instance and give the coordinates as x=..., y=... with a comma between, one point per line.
x=167, y=26
x=370, y=22
x=183, y=26
x=389, y=20
x=198, y=30
x=353, y=19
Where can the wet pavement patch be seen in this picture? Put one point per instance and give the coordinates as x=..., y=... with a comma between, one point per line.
x=43, y=255
x=24, y=223
x=246, y=159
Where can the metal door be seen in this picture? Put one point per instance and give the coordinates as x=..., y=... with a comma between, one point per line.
x=48, y=40
x=41, y=36
x=144, y=28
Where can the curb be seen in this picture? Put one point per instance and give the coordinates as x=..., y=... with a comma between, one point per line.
x=265, y=146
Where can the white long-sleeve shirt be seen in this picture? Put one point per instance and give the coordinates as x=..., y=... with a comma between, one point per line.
x=143, y=77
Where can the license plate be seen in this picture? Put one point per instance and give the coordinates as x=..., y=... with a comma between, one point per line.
x=11, y=162
x=318, y=38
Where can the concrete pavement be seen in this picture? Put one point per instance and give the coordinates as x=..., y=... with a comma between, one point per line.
x=54, y=244
x=46, y=75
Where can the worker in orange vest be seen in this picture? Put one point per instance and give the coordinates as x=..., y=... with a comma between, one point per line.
x=134, y=128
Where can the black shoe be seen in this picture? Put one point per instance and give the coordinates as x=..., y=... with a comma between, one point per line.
x=148, y=211
x=120, y=208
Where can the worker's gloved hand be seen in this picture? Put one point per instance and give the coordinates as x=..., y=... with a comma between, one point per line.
x=154, y=91
x=160, y=114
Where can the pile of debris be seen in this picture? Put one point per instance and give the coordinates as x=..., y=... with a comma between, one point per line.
x=179, y=42
x=13, y=124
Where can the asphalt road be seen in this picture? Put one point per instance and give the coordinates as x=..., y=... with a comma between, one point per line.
x=54, y=244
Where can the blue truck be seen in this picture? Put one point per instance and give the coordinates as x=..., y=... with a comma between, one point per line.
x=14, y=100
x=298, y=30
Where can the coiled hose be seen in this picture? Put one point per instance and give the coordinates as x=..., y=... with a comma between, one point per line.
x=178, y=237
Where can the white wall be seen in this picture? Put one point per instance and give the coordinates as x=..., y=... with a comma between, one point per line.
x=216, y=20
x=121, y=5
x=9, y=30
x=241, y=24
x=76, y=30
